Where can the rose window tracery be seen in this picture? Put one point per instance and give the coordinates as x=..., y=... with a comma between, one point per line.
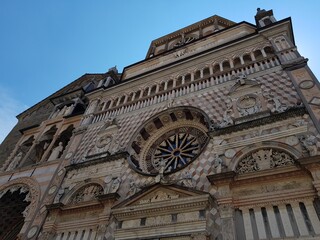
x=177, y=138
x=177, y=150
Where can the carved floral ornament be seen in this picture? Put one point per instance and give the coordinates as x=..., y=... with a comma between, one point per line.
x=264, y=159
x=86, y=193
x=24, y=184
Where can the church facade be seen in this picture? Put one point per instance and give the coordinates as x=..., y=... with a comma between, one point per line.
x=214, y=135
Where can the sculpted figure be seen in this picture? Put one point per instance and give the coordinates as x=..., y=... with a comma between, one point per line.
x=115, y=185
x=56, y=152
x=15, y=161
x=217, y=164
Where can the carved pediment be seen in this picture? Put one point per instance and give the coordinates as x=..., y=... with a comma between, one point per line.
x=161, y=194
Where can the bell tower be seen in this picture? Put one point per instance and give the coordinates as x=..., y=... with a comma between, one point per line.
x=264, y=18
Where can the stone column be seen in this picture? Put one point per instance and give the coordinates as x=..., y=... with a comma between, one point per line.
x=313, y=216
x=263, y=52
x=286, y=221
x=241, y=60
x=260, y=224
x=192, y=76
x=165, y=85
x=299, y=219
x=273, y=222
x=86, y=234
x=157, y=88
x=247, y=223
x=59, y=237
x=65, y=236
x=227, y=220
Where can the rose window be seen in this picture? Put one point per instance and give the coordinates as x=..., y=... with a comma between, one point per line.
x=176, y=151
x=169, y=142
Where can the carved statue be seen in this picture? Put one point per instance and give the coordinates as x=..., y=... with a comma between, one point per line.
x=160, y=176
x=217, y=164
x=133, y=188
x=15, y=161
x=59, y=195
x=69, y=110
x=56, y=152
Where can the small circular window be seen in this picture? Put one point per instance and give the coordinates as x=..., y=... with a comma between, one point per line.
x=169, y=142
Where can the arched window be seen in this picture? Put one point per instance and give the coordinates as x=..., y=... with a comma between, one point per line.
x=13, y=205
x=237, y=62
x=226, y=66
x=258, y=55
x=247, y=59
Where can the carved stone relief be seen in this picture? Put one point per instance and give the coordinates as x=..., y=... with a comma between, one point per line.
x=248, y=104
x=264, y=159
x=111, y=184
x=107, y=140
x=310, y=144
x=86, y=193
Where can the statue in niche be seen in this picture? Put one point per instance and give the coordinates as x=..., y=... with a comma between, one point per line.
x=217, y=164
x=69, y=110
x=55, y=154
x=15, y=161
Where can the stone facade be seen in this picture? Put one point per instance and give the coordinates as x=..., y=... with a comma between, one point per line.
x=215, y=135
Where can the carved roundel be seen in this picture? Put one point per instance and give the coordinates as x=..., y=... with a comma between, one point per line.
x=176, y=139
x=247, y=101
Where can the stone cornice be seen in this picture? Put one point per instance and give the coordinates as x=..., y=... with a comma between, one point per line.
x=269, y=175
x=262, y=200
x=221, y=178
x=314, y=160
x=163, y=207
x=96, y=161
x=93, y=204
x=293, y=112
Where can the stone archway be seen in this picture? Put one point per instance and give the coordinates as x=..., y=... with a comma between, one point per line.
x=13, y=206
x=23, y=197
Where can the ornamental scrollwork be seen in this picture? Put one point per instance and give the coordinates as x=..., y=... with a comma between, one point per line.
x=264, y=159
x=87, y=193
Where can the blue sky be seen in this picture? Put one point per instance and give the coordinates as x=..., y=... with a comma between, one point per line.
x=45, y=45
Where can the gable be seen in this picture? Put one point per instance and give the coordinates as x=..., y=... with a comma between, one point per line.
x=160, y=195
